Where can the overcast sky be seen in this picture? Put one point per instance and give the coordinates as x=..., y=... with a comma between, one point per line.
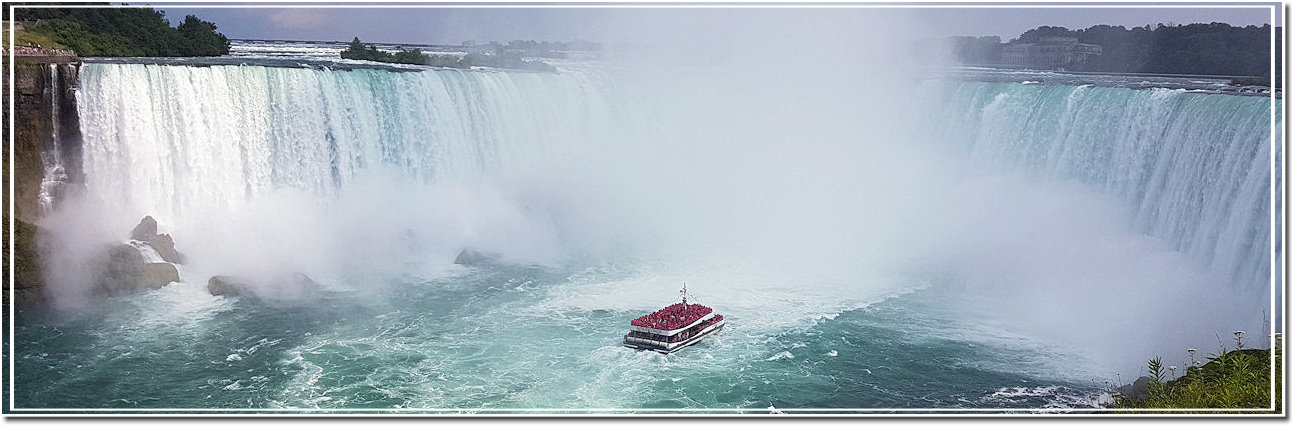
x=440, y=25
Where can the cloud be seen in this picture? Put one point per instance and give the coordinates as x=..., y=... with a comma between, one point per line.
x=295, y=19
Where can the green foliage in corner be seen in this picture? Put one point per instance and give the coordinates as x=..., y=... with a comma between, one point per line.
x=124, y=31
x=1231, y=379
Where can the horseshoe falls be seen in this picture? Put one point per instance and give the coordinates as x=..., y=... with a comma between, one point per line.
x=1193, y=169
x=899, y=243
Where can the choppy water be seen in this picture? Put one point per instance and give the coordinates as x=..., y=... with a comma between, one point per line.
x=507, y=337
x=855, y=272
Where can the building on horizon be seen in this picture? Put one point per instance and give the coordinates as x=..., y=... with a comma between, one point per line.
x=1050, y=53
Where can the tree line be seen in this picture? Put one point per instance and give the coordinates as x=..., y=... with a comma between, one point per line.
x=123, y=31
x=497, y=59
x=541, y=49
x=1207, y=49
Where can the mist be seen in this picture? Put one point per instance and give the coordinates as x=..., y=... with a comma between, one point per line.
x=748, y=152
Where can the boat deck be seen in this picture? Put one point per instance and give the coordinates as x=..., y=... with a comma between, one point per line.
x=671, y=347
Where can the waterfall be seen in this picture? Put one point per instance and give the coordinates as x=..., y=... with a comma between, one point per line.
x=1195, y=168
x=56, y=174
x=174, y=140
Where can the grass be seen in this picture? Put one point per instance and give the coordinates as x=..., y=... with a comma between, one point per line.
x=1234, y=379
x=29, y=38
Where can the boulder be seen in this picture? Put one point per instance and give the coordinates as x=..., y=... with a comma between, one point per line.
x=125, y=270
x=226, y=285
x=145, y=230
x=284, y=287
x=1138, y=389
x=118, y=268
x=157, y=275
x=471, y=257
x=165, y=246
x=123, y=263
x=301, y=280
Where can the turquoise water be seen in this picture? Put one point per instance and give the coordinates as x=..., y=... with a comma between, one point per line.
x=491, y=338
x=953, y=245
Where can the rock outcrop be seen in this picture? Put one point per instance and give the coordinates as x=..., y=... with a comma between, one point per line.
x=1138, y=389
x=145, y=230
x=163, y=244
x=29, y=280
x=227, y=285
x=127, y=269
x=45, y=121
x=47, y=133
x=473, y=257
x=285, y=287
x=159, y=274
x=165, y=247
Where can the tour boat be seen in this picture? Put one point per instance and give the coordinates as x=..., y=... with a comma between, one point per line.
x=673, y=327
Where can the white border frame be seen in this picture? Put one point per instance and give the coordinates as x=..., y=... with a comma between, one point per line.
x=12, y=410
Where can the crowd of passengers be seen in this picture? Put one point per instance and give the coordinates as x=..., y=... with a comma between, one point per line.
x=672, y=317
x=677, y=337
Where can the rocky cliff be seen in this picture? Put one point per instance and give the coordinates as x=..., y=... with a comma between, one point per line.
x=46, y=152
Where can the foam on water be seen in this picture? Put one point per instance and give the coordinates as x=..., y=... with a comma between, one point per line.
x=866, y=264
x=147, y=251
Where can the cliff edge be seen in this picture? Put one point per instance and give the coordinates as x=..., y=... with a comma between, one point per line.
x=45, y=160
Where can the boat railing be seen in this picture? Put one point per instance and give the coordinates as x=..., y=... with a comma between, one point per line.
x=674, y=331
x=670, y=345
x=680, y=335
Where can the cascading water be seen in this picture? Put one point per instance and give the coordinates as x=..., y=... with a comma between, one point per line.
x=55, y=178
x=1195, y=168
x=176, y=141
x=832, y=217
x=179, y=141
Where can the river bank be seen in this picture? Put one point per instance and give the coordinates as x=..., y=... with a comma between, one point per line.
x=1239, y=379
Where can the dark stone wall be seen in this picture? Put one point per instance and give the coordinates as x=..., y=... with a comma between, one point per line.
x=29, y=283
x=32, y=132
x=37, y=88
x=70, y=121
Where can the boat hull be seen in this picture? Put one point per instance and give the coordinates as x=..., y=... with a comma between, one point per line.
x=645, y=344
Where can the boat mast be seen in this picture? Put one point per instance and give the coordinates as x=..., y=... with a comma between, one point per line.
x=684, y=291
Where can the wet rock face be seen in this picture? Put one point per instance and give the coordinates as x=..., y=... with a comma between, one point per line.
x=43, y=95
x=45, y=119
x=227, y=285
x=156, y=275
x=288, y=287
x=145, y=230
x=29, y=281
x=165, y=247
x=122, y=257
x=472, y=257
x=163, y=244
x=121, y=269
x=126, y=269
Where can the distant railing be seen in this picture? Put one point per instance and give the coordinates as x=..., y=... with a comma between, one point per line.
x=36, y=51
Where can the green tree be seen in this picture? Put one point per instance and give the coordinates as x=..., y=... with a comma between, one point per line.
x=199, y=38
x=1209, y=49
x=357, y=50
x=1036, y=34
x=126, y=31
x=414, y=56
